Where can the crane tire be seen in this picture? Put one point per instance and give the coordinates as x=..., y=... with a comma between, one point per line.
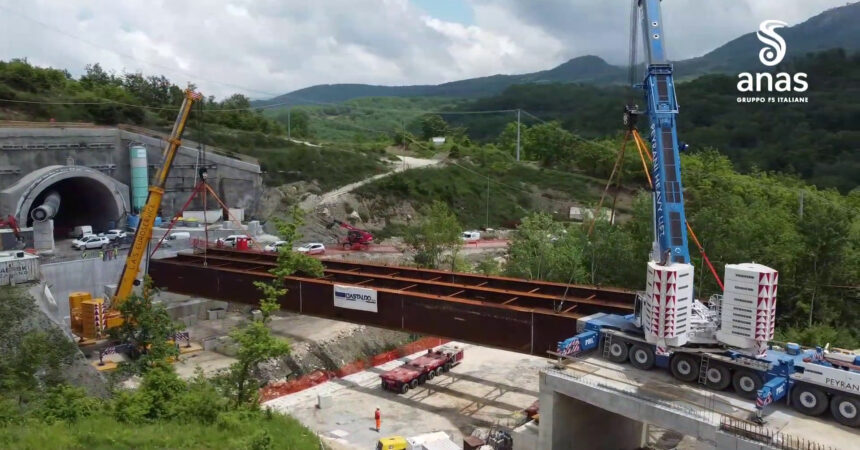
x=414, y=383
x=809, y=400
x=746, y=383
x=685, y=367
x=431, y=374
x=618, y=351
x=718, y=378
x=641, y=356
x=846, y=410
x=404, y=388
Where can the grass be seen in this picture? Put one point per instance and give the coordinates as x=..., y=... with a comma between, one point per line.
x=329, y=167
x=515, y=191
x=101, y=432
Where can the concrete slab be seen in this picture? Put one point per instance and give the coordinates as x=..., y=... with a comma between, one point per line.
x=489, y=388
x=687, y=408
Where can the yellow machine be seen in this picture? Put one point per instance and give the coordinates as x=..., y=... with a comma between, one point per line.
x=89, y=317
x=392, y=443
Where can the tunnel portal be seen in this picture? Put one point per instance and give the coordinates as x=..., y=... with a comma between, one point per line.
x=83, y=201
x=86, y=197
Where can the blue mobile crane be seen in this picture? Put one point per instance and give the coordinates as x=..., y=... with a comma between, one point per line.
x=725, y=341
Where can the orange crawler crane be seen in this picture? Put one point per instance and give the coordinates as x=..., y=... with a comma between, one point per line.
x=90, y=318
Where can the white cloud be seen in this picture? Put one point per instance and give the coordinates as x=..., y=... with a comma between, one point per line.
x=267, y=47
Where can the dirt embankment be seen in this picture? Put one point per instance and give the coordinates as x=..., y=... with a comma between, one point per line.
x=332, y=346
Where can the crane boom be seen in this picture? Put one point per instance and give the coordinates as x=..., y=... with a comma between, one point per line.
x=670, y=233
x=153, y=202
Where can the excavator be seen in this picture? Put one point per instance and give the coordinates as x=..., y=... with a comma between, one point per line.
x=356, y=238
x=89, y=316
x=12, y=223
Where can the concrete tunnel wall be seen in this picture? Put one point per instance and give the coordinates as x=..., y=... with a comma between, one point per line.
x=23, y=150
x=87, y=197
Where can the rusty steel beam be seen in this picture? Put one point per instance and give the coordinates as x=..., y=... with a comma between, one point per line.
x=407, y=300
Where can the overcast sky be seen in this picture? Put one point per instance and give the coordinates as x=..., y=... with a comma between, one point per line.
x=264, y=48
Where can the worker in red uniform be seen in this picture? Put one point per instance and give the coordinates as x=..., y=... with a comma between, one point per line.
x=378, y=416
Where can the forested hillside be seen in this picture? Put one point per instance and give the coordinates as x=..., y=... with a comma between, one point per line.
x=817, y=140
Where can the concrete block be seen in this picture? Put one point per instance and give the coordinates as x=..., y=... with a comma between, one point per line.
x=257, y=314
x=210, y=344
x=43, y=236
x=526, y=436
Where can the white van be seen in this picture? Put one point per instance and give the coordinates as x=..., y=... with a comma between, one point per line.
x=471, y=236
x=81, y=231
x=179, y=235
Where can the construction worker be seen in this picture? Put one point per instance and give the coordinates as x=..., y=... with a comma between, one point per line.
x=378, y=417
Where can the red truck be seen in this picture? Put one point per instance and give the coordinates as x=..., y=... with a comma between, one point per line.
x=421, y=369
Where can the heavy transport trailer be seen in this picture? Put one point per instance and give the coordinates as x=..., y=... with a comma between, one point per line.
x=423, y=368
x=812, y=381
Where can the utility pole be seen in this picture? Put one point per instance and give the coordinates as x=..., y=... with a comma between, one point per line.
x=289, y=124
x=518, y=134
x=487, y=223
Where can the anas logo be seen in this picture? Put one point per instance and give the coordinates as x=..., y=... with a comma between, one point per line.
x=762, y=83
x=774, y=49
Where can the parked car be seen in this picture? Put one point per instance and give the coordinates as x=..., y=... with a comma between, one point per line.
x=275, y=246
x=179, y=235
x=115, y=234
x=230, y=241
x=90, y=241
x=314, y=248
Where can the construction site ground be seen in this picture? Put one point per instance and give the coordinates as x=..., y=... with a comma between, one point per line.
x=489, y=388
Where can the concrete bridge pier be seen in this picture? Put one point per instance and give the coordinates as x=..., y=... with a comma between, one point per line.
x=569, y=423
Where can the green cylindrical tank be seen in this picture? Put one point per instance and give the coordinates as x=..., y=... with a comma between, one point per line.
x=139, y=176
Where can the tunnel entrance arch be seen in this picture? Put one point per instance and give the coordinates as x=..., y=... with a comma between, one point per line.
x=87, y=197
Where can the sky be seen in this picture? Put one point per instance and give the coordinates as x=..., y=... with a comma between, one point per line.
x=264, y=48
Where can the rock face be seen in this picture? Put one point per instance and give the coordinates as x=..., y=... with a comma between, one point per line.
x=344, y=344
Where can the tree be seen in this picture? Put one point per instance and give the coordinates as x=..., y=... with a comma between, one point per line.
x=437, y=233
x=255, y=340
x=549, y=143
x=542, y=249
x=148, y=328
x=433, y=125
x=300, y=122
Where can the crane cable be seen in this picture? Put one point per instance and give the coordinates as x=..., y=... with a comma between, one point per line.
x=643, y=148
x=609, y=182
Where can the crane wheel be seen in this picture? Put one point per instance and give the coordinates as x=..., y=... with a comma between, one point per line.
x=746, y=383
x=431, y=374
x=641, y=357
x=846, y=410
x=809, y=400
x=685, y=367
x=618, y=352
x=438, y=371
x=718, y=378
x=414, y=383
x=404, y=388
